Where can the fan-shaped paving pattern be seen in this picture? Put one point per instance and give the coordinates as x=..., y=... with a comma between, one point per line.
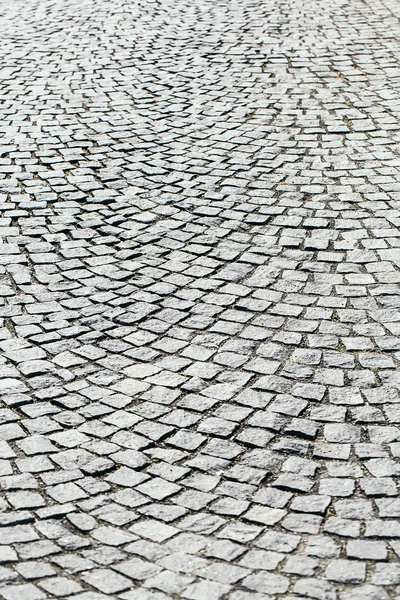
x=199, y=300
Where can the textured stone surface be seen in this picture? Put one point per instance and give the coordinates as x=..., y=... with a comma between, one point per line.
x=199, y=300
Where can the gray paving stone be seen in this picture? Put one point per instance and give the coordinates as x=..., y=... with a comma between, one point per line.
x=199, y=294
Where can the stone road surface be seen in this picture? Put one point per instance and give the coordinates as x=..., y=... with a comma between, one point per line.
x=199, y=299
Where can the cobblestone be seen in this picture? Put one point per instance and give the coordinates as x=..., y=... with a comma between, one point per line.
x=199, y=300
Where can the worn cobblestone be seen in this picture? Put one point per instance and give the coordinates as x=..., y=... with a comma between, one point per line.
x=199, y=300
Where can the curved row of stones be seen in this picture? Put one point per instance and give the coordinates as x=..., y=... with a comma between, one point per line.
x=199, y=294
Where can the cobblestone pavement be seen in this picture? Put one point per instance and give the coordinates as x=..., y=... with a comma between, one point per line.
x=199, y=294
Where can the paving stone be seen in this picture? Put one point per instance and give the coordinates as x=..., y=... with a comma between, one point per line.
x=107, y=581
x=365, y=550
x=346, y=571
x=199, y=294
